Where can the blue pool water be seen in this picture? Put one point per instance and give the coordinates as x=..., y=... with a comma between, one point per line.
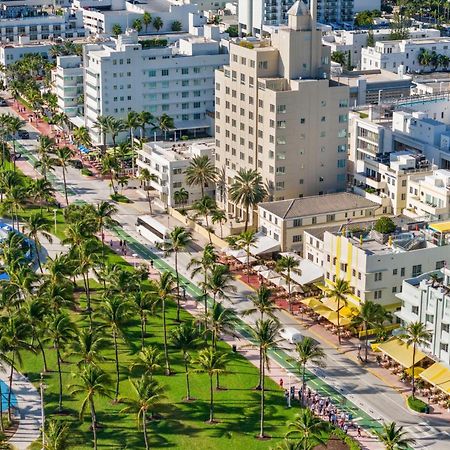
x=5, y=396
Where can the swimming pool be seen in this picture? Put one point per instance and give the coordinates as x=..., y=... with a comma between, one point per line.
x=5, y=396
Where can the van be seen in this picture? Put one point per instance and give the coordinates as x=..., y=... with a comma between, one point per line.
x=292, y=335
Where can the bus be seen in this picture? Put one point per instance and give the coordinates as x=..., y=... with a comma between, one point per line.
x=152, y=230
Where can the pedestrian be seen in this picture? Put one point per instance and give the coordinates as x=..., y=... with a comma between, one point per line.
x=111, y=243
x=345, y=428
x=359, y=431
x=281, y=379
x=120, y=243
x=292, y=391
x=151, y=264
x=286, y=396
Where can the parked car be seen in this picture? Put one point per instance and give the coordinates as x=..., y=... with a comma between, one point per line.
x=291, y=335
x=23, y=134
x=75, y=163
x=3, y=102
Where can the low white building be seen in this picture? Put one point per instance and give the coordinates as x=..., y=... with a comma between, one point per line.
x=168, y=162
x=68, y=79
x=428, y=301
x=11, y=53
x=173, y=78
x=403, y=55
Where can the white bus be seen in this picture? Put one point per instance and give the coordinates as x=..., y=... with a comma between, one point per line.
x=152, y=230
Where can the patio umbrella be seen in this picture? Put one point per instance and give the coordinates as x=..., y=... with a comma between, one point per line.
x=297, y=288
x=280, y=281
x=269, y=274
x=243, y=259
x=238, y=253
x=331, y=316
x=260, y=268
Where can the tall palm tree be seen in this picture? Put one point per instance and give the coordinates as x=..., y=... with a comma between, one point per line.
x=185, y=337
x=247, y=190
x=149, y=360
x=211, y=362
x=417, y=335
x=81, y=136
x=204, y=265
x=219, y=282
x=371, y=315
x=201, y=172
x=41, y=190
x=45, y=164
x=114, y=127
x=219, y=216
x=164, y=123
x=144, y=303
x=116, y=312
x=204, y=207
x=110, y=166
x=148, y=393
x=263, y=303
x=393, y=437
x=46, y=145
x=103, y=213
x=308, y=430
x=14, y=125
x=166, y=287
x=92, y=382
x=247, y=239
x=179, y=239
x=101, y=124
x=60, y=331
x=341, y=288
x=132, y=122
x=308, y=351
x=181, y=196
x=290, y=265
x=38, y=225
x=145, y=118
x=88, y=347
x=221, y=321
x=265, y=334
x=146, y=177
x=14, y=202
x=56, y=435
x=63, y=155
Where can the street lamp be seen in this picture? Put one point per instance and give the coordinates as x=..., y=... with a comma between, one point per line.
x=42, y=387
x=135, y=255
x=54, y=216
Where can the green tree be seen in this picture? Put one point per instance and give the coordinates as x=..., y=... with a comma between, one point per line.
x=246, y=240
x=116, y=312
x=290, y=265
x=185, y=337
x=384, y=225
x=116, y=29
x=103, y=217
x=144, y=303
x=148, y=393
x=339, y=57
x=201, y=172
x=176, y=26
x=146, y=20
x=211, y=362
x=164, y=123
x=263, y=303
x=41, y=190
x=417, y=335
x=219, y=216
x=394, y=438
x=219, y=282
x=146, y=177
x=92, y=382
x=14, y=125
x=341, y=288
x=204, y=207
x=145, y=118
x=158, y=23
x=37, y=225
x=308, y=430
x=308, y=351
x=56, y=435
x=149, y=360
x=181, y=196
x=62, y=157
x=247, y=190
x=101, y=125
x=88, y=346
x=137, y=25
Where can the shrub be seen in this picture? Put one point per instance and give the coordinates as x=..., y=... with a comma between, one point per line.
x=246, y=44
x=120, y=198
x=417, y=405
x=176, y=25
x=385, y=225
x=232, y=30
x=86, y=172
x=152, y=43
x=75, y=163
x=352, y=444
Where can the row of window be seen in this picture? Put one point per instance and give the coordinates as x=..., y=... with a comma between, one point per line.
x=165, y=72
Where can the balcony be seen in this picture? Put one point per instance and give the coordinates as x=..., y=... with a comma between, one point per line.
x=429, y=208
x=372, y=195
x=374, y=182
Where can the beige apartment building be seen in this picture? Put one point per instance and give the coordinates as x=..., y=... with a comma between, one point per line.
x=278, y=112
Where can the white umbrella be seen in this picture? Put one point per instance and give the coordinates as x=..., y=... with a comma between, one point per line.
x=268, y=274
x=280, y=281
x=260, y=268
x=243, y=259
x=238, y=253
x=297, y=288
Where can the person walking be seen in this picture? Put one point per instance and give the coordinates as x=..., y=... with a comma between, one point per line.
x=281, y=382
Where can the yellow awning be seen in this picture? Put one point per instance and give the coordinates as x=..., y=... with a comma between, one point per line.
x=417, y=371
x=400, y=352
x=441, y=227
x=321, y=310
x=320, y=286
x=375, y=346
x=311, y=302
x=438, y=375
x=332, y=316
x=332, y=303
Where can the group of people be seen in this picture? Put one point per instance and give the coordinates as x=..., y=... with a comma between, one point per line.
x=321, y=406
x=122, y=246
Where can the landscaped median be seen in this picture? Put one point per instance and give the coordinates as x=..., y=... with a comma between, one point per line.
x=417, y=405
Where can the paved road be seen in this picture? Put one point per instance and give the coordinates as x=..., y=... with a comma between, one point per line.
x=369, y=399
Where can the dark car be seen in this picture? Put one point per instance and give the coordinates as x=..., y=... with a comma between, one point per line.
x=3, y=102
x=23, y=134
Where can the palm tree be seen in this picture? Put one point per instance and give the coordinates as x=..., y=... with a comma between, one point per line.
x=114, y=127
x=179, y=239
x=46, y=145
x=60, y=331
x=116, y=29
x=46, y=164
x=219, y=282
x=165, y=291
x=148, y=393
x=63, y=155
x=116, y=312
x=92, y=382
x=265, y=334
x=308, y=351
x=103, y=218
x=247, y=239
x=204, y=207
x=185, y=338
x=211, y=362
x=101, y=124
x=290, y=265
x=146, y=20
x=221, y=321
x=308, y=429
x=14, y=202
x=219, y=216
x=144, y=303
x=371, y=315
x=145, y=118
x=157, y=23
x=181, y=196
x=394, y=438
x=110, y=166
x=149, y=360
x=247, y=190
x=38, y=225
x=164, y=122
x=147, y=177
x=14, y=125
x=415, y=334
x=88, y=347
x=263, y=303
x=41, y=190
x=81, y=136
x=341, y=288
x=201, y=172
x=56, y=435
x=132, y=122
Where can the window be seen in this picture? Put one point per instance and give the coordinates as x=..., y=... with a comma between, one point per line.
x=444, y=347
x=415, y=310
x=440, y=264
x=281, y=124
x=279, y=185
x=197, y=69
x=378, y=276
x=395, y=272
x=165, y=72
x=341, y=163
x=343, y=118
x=152, y=73
x=429, y=318
x=394, y=289
x=331, y=217
x=281, y=170
x=402, y=272
x=302, y=120
x=342, y=133
x=297, y=223
x=177, y=184
x=185, y=71
x=343, y=103
x=297, y=238
x=281, y=109
x=184, y=82
x=445, y=327
x=377, y=295
x=416, y=270
x=262, y=65
x=342, y=148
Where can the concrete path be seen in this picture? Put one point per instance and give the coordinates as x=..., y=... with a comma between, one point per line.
x=28, y=410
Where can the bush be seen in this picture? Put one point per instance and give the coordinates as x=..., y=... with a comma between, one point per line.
x=86, y=172
x=232, y=30
x=352, y=444
x=153, y=43
x=176, y=26
x=246, y=44
x=75, y=163
x=417, y=405
x=385, y=225
x=120, y=198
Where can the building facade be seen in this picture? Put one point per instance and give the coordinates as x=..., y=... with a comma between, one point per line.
x=277, y=112
x=175, y=78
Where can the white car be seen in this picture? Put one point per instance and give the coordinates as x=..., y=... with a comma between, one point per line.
x=291, y=335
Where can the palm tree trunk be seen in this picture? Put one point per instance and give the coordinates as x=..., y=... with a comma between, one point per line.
x=188, y=389
x=207, y=227
x=142, y=330
x=149, y=202
x=10, y=389
x=246, y=217
x=260, y=370
x=116, y=354
x=289, y=289
x=166, y=353
x=14, y=154
x=58, y=360
x=339, y=320
x=211, y=400
x=366, y=342
x=44, y=358
x=177, y=275
x=88, y=296
x=2, y=428
x=65, y=185
x=37, y=252
x=261, y=427
x=412, y=368
x=93, y=422
x=144, y=429
x=248, y=263
x=303, y=382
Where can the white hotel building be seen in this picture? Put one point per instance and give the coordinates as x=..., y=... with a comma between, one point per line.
x=177, y=79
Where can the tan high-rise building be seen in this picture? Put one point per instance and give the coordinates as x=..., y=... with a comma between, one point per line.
x=278, y=112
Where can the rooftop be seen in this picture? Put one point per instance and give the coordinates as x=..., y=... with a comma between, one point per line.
x=371, y=76
x=317, y=204
x=179, y=151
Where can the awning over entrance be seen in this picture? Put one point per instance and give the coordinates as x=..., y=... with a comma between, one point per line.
x=264, y=244
x=439, y=376
x=400, y=352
